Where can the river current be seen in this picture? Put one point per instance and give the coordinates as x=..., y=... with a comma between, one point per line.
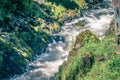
x=46, y=65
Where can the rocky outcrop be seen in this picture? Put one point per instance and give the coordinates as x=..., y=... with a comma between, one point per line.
x=81, y=40
x=17, y=49
x=85, y=37
x=25, y=32
x=20, y=41
x=111, y=30
x=14, y=53
x=78, y=64
x=87, y=63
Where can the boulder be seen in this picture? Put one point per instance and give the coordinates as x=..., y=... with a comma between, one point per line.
x=84, y=38
x=79, y=24
x=87, y=62
x=40, y=42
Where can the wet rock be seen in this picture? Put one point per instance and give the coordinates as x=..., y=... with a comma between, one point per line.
x=18, y=23
x=40, y=42
x=93, y=1
x=23, y=14
x=34, y=23
x=20, y=13
x=111, y=30
x=89, y=1
x=79, y=24
x=38, y=45
x=58, y=38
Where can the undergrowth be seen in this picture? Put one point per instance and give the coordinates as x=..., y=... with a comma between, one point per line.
x=106, y=69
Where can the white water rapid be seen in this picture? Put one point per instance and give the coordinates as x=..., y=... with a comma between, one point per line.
x=47, y=64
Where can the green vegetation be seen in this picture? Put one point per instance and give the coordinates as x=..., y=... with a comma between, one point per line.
x=9, y=6
x=95, y=60
x=25, y=28
x=12, y=54
x=114, y=66
x=64, y=9
x=86, y=37
x=79, y=24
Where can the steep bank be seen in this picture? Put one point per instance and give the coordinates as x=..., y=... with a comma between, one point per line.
x=91, y=59
x=26, y=28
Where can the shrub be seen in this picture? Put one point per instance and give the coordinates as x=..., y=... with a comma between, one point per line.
x=115, y=64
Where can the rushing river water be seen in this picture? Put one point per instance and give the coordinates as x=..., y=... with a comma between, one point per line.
x=47, y=64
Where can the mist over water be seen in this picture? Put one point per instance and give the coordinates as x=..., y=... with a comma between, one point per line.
x=47, y=64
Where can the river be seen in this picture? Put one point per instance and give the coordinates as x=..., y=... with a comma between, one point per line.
x=46, y=65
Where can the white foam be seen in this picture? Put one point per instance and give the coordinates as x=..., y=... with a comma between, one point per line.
x=47, y=64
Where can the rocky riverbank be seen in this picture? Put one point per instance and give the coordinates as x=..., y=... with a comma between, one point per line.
x=91, y=58
x=26, y=29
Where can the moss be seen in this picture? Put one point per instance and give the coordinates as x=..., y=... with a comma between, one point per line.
x=61, y=10
x=47, y=27
x=12, y=62
x=86, y=37
x=79, y=24
x=83, y=63
x=81, y=3
x=19, y=42
x=18, y=48
x=55, y=27
x=13, y=52
x=22, y=47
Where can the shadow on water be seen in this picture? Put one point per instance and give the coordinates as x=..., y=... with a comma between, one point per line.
x=68, y=4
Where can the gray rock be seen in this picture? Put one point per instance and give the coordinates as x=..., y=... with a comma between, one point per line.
x=93, y=1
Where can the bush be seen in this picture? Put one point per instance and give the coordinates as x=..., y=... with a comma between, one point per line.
x=115, y=64
x=85, y=64
x=10, y=6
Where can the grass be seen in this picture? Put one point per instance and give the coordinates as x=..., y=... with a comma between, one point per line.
x=108, y=69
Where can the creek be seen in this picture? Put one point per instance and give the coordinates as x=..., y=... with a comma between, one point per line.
x=47, y=64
